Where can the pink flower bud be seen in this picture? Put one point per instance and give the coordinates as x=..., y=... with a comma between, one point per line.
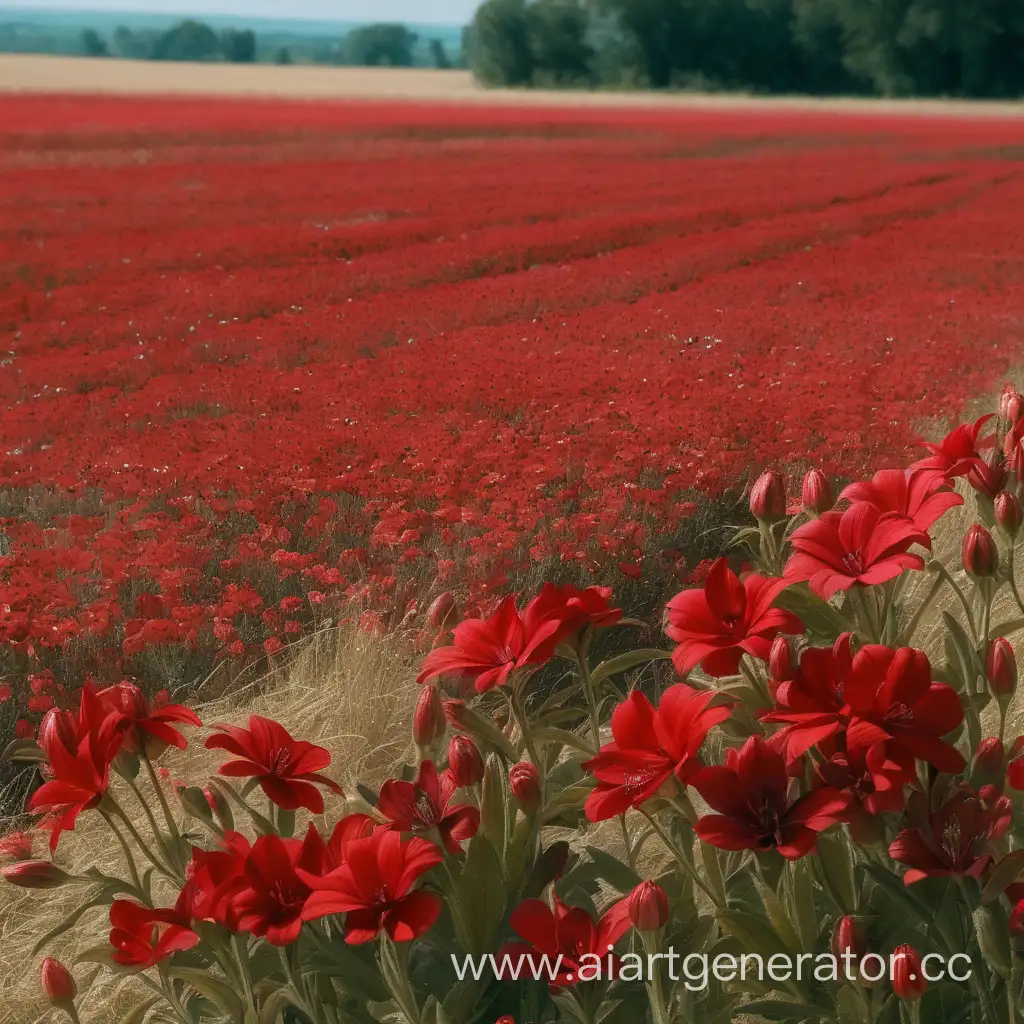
x=817, y=493
x=980, y=554
x=428, y=723
x=908, y=980
x=524, y=781
x=648, y=907
x=1011, y=406
x=465, y=762
x=768, y=497
x=443, y=612
x=1001, y=667
x=781, y=662
x=58, y=983
x=1008, y=513
x=34, y=874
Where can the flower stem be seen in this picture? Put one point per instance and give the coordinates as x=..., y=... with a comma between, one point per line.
x=141, y=844
x=129, y=859
x=680, y=859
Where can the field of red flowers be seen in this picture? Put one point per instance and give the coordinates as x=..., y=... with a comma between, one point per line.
x=263, y=364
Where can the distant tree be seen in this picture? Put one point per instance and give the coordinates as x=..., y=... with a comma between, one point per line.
x=283, y=56
x=188, y=40
x=662, y=33
x=557, y=32
x=239, y=47
x=93, y=44
x=501, y=51
x=128, y=44
x=387, y=45
x=438, y=55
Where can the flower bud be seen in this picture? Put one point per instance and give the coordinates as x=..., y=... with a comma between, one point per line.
x=428, y=723
x=34, y=874
x=988, y=477
x=848, y=938
x=768, y=497
x=781, y=662
x=1011, y=406
x=817, y=493
x=980, y=554
x=648, y=907
x=524, y=781
x=465, y=762
x=989, y=762
x=193, y=801
x=1001, y=667
x=57, y=728
x=506, y=1019
x=443, y=612
x=218, y=803
x=1008, y=513
x=58, y=983
x=908, y=980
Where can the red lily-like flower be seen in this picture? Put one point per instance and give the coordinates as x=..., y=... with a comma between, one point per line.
x=650, y=746
x=874, y=778
x=571, y=607
x=374, y=888
x=212, y=879
x=716, y=626
x=286, y=768
x=958, y=452
x=143, y=937
x=146, y=722
x=423, y=806
x=750, y=794
x=567, y=936
x=79, y=751
x=860, y=545
x=489, y=650
x=954, y=840
x=922, y=496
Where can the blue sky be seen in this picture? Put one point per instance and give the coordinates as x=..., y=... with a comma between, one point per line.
x=421, y=11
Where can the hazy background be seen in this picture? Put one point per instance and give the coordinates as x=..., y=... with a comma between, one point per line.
x=442, y=12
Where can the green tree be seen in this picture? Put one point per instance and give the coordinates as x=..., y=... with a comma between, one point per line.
x=188, y=40
x=128, y=44
x=558, y=37
x=239, y=47
x=283, y=56
x=500, y=50
x=439, y=55
x=93, y=44
x=381, y=45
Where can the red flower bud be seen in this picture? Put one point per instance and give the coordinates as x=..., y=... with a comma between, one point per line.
x=989, y=761
x=1011, y=406
x=988, y=477
x=34, y=874
x=506, y=1019
x=980, y=554
x=1001, y=667
x=817, y=493
x=768, y=497
x=524, y=781
x=428, y=720
x=443, y=612
x=58, y=984
x=781, y=662
x=648, y=907
x=847, y=937
x=465, y=762
x=908, y=980
x=1008, y=513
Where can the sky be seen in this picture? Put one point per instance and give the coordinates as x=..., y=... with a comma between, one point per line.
x=442, y=12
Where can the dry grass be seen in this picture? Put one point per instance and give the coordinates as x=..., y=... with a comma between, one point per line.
x=51, y=74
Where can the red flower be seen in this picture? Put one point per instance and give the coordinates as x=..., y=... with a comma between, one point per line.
x=922, y=496
x=754, y=811
x=422, y=806
x=954, y=840
x=565, y=935
x=571, y=607
x=716, y=626
x=958, y=452
x=142, y=937
x=285, y=767
x=650, y=746
x=489, y=650
x=144, y=719
x=860, y=545
x=374, y=888
x=213, y=877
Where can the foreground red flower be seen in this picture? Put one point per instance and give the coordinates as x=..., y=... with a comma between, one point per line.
x=860, y=545
x=922, y=496
x=958, y=452
x=714, y=627
x=287, y=769
x=146, y=722
x=374, y=888
x=650, y=747
x=423, y=807
x=566, y=935
x=143, y=937
x=750, y=794
x=489, y=650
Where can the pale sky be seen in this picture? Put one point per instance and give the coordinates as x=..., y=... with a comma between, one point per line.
x=454, y=12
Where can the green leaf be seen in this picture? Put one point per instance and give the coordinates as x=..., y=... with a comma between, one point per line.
x=272, y=1010
x=801, y=892
x=1004, y=874
x=821, y=619
x=778, y=1009
x=624, y=662
x=479, y=899
x=494, y=810
x=548, y=734
x=779, y=918
x=22, y=750
x=612, y=870
x=137, y=1014
x=211, y=987
x=104, y=899
x=835, y=861
x=993, y=932
x=754, y=934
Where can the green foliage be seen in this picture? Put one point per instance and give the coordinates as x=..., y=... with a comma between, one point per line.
x=499, y=47
x=439, y=55
x=93, y=44
x=381, y=45
x=239, y=47
x=188, y=40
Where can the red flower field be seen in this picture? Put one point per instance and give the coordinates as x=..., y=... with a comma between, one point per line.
x=265, y=363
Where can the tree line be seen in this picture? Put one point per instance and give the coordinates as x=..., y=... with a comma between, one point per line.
x=965, y=48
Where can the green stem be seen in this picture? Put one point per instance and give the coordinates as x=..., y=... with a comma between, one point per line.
x=922, y=608
x=129, y=859
x=681, y=860
x=141, y=844
x=172, y=825
x=1012, y=576
x=630, y=855
x=592, y=702
x=965, y=604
